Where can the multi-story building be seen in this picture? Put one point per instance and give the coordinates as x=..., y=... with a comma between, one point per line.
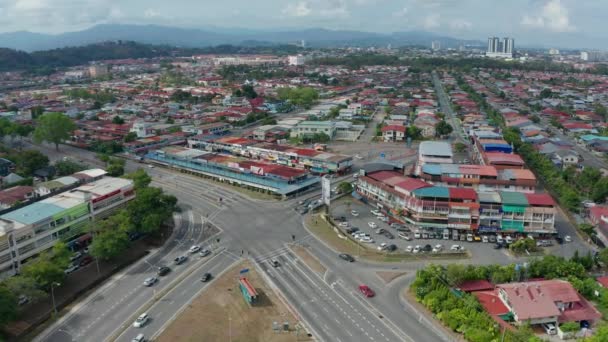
x=310, y=128
x=433, y=152
x=33, y=229
x=455, y=211
x=297, y=60
x=500, y=48
x=98, y=70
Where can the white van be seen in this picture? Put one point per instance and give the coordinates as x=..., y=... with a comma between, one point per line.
x=550, y=328
x=499, y=239
x=509, y=240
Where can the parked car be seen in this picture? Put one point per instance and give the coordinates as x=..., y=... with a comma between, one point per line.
x=367, y=292
x=485, y=238
x=567, y=238
x=499, y=239
x=206, y=277
x=437, y=248
x=194, y=249
x=22, y=300
x=150, y=281
x=204, y=253
x=380, y=231
x=141, y=320
x=509, y=240
x=274, y=262
x=76, y=256
x=476, y=238
x=550, y=329
x=343, y=224
x=346, y=257
x=416, y=249
x=409, y=249
x=86, y=260
x=456, y=248
x=427, y=248
x=376, y=212
x=391, y=248
x=492, y=238
x=404, y=236
x=383, y=218
x=73, y=267
x=417, y=235
x=389, y=235
x=139, y=337
x=180, y=259
x=372, y=225
x=354, y=213
x=163, y=271
x=382, y=246
x=366, y=239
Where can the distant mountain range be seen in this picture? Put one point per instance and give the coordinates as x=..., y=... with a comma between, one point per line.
x=155, y=34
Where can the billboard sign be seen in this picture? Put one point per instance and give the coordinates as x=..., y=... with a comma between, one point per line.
x=325, y=190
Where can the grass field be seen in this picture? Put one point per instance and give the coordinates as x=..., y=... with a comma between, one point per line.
x=221, y=314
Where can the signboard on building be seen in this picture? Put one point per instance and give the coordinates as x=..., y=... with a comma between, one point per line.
x=325, y=190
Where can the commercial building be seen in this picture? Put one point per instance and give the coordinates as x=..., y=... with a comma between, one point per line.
x=28, y=231
x=435, y=45
x=316, y=162
x=276, y=179
x=98, y=70
x=433, y=152
x=479, y=177
x=310, y=128
x=457, y=211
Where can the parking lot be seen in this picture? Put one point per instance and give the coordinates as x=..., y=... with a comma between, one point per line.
x=481, y=252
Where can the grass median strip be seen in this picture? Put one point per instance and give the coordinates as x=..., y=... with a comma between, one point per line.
x=312, y=262
x=221, y=314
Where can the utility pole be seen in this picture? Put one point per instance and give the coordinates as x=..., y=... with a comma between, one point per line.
x=53, y=296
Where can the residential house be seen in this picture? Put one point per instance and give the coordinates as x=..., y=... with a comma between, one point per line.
x=393, y=133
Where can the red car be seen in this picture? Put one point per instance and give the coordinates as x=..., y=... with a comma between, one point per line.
x=86, y=260
x=367, y=292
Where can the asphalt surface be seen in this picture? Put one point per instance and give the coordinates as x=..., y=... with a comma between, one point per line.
x=446, y=108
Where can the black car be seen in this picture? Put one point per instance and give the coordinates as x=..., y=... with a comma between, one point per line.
x=352, y=230
x=498, y=246
x=388, y=235
x=206, y=277
x=559, y=240
x=391, y=248
x=163, y=271
x=427, y=248
x=346, y=257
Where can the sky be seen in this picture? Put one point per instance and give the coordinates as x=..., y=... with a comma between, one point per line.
x=561, y=23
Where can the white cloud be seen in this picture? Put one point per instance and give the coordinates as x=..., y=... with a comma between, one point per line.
x=431, y=21
x=151, y=13
x=335, y=9
x=553, y=16
x=298, y=9
x=401, y=13
x=461, y=25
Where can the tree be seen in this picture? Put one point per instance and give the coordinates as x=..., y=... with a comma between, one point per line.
x=150, y=209
x=67, y=167
x=545, y=93
x=345, y=187
x=131, y=136
x=21, y=285
x=443, y=128
x=460, y=147
x=140, y=178
x=116, y=167
x=36, y=112
x=53, y=128
x=535, y=119
x=248, y=91
x=302, y=96
x=413, y=132
x=601, y=111
x=600, y=191
x=28, y=161
x=48, y=267
x=111, y=237
x=8, y=305
x=118, y=120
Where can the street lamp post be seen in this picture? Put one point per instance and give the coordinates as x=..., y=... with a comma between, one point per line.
x=53, y=295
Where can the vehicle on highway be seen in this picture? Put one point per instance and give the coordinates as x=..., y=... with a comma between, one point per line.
x=354, y=213
x=72, y=268
x=372, y=225
x=376, y=212
x=416, y=249
x=346, y=257
x=139, y=338
x=382, y=246
x=163, y=271
x=76, y=256
x=180, y=259
x=86, y=260
x=388, y=235
x=404, y=236
x=206, y=277
x=141, y=320
x=567, y=238
x=274, y=262
x=150, y=281
x=204, y=253
x=367, y=292
x=194, y=249
x=409, y=249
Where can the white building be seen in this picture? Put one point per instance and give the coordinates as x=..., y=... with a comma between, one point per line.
x=436, y=45
x=297, y=60
x=498, y=48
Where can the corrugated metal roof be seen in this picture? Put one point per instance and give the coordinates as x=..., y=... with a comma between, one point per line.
x=463, y=193
x=540, y=199
x=434, y=191
x=33, y=213
x=489, y=197
x=452, y=169
x=432, y=169
x=435, y=148
x=513, y=198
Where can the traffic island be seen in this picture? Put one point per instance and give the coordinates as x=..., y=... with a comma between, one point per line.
x=221, y=313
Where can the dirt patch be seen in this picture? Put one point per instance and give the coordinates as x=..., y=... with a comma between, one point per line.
x=388, y=276
x=221, y=314
x=312, y=262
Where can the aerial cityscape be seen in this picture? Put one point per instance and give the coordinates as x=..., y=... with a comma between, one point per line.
x=336, y=171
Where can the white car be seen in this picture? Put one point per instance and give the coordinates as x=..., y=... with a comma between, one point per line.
x=194, y=249
x=382, y=218
x=509, y=240
x=372, y=225
x=150, y=281
x=141, y=320
x=417, y=235
x=567, y=238
x=382, y=246
x=343, y=224
x=73, y=267
x=376, y=212
x=416, y=249
x=367, y=239
x=404, y=236
x=409, y=249
x=75, y=256
x=358, y=156
x=437, y=248
x=456, y=248
x=354, y=213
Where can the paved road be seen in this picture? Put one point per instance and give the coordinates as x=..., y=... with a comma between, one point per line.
x=446, y=108
x=166, y=309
